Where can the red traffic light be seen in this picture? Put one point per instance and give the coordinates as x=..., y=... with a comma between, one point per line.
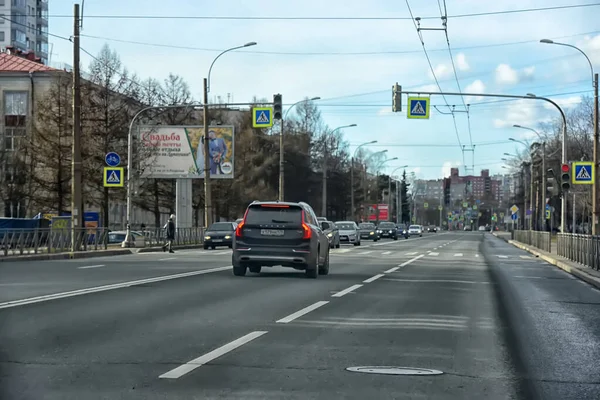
x=565, y=168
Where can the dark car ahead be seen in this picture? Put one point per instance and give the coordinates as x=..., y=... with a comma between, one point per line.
x=368, y=231
x=388, y=230
x=219, y=234
x=280, y=233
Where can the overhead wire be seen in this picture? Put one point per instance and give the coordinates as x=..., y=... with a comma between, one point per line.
x=315, y=18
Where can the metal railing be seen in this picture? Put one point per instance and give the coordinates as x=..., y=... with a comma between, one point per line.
x=15, y=242
x=539, y=239
x=583, y=249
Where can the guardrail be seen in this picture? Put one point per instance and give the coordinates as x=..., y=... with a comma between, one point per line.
x=541, y=240
x=583, y=249
x=51, y=241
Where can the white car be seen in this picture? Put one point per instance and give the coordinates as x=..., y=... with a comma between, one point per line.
x=415, y=230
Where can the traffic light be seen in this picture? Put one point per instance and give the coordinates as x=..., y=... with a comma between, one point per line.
x=396, y=98
x=565, y=177
x=551, y=185
x=447, y=191
x=277, y=106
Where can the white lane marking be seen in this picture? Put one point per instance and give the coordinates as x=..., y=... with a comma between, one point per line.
x=302, y=312
x=389, y=271
x=208, y=357
x=404, y=264
x=526, y=257
x=502, y=256
x=434, y=254
x=411, y=253
x=366, y=252
x=386, y=252
x=336, y=251
x=346, y=291
x=92, y=266
x=458, y=255
x=435, y=248
x=373, y=278
x=435, y=281
x=476, y=255
x=166, y=259
x=529, y=277
x=80, y=292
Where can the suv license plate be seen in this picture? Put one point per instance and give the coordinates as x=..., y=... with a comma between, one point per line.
x=271, y=232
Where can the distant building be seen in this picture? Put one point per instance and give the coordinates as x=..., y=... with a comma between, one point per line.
x=24, y=26
x=474, y=187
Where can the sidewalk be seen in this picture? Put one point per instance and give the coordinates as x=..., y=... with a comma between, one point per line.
x=582, y=272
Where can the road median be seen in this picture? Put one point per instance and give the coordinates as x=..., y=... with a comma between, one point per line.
x=65, y=255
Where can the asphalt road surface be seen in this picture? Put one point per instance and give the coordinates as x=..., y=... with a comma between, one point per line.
x=482, y=318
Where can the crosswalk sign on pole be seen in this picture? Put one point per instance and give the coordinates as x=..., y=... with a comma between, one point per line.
x=583, y=173
x=262, y=117
x=418, y=108
x=113, y=177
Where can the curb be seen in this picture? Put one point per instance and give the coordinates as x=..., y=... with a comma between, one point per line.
x=584, y=276
x=159, y=249
x=66, y=256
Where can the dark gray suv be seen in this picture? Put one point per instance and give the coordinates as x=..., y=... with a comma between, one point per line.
x=279, y=233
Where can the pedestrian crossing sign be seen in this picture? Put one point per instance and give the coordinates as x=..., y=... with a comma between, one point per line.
x=113, y=177
x=583, y=173
x=262, y=117
x=418, y=108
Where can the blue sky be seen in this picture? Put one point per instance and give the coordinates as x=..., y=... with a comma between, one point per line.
x=352, y=64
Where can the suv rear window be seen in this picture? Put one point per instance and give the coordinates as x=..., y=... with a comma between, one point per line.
x=221, y=226
x=259, y=215
x=387, y=225
x=367, y=226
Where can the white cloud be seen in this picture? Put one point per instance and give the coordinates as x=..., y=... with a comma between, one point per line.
x=518, y=112
x=527, y=74
x=427, y=88
x=591, y=46
x=448, y=165
x=442, y=71
x=565, y=102
x=416, y=170
x=506, y=75
x=385, y=111
x=476, y=86
x=461, y=62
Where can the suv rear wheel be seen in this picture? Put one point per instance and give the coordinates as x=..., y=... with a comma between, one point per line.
x=255, y=270
x=324, y=270
x=312, y=271
x=239, y=270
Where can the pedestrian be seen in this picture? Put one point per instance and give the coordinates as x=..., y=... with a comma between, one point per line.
x=170, y=234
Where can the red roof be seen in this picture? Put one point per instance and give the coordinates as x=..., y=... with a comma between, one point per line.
x=19, y=63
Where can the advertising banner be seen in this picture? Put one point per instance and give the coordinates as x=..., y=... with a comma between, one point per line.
x=178, y=151
x=383, y=212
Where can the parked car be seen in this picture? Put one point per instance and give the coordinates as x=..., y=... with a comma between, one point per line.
x=368, y=231
x=388, y=230
x=219, y=234
x=138, y=238
x=349, y=232
x=415, y=230
x=280, y=233
x=332, y=232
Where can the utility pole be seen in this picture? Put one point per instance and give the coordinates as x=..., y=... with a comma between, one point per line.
x=531, y=202
x=281, y=161
x=352, y=211
x=76, y=181
x=207, y=192
x=543, y=209
x=324, y=190
x=595, y=209
x=574, y=218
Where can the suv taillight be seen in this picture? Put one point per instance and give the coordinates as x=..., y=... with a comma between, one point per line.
x=238, y=229
x=307, y=231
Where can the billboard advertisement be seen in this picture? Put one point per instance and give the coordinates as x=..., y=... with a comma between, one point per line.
x=381, y=209
x=178, y=151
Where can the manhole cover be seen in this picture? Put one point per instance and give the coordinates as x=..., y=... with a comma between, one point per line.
x=394, y=370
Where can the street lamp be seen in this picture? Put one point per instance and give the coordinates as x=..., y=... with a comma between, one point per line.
x=397, y=191
x=282, y=148
x=324, y=194
x=377, y=181
x=352, y=178
x=595, y=208
x=207, y=191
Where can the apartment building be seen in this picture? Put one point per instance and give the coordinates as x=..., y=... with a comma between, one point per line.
x=24, y=26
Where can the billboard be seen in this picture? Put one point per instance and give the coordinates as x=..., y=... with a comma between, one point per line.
x=381, y=209
x=178, y=151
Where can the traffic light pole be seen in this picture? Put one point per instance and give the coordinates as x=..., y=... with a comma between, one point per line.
x=563, y=207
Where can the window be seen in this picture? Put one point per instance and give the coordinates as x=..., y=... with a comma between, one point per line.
x=12, y=137
x=2, y=17
x=1, y=36
x=15, y=104
x=18, y=36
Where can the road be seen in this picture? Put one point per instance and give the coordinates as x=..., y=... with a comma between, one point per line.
x=497, y=322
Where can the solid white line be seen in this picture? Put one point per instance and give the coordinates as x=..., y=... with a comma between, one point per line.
x=502, y=256
x=302, y=312
x=389, y=271
x=525, y=257
x=91, y=266
x=435, y=281
x=411, y=253
x=166, y=259
x=386, y=252
x=434, y=254
x=366, y=252
x=346, y=291
x=80, y=292
x=458, y=255
x=404, y=264
x=373, y=278
x=208, y=357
